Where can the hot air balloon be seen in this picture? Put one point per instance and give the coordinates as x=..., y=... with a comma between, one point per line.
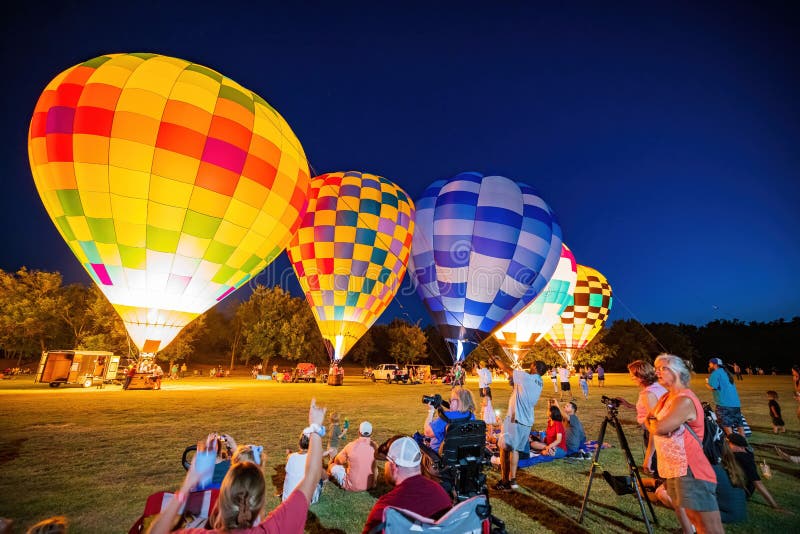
x=350, y=253
x=519, y=334
x=172, y=184
x=584, y=317
x=484, y=247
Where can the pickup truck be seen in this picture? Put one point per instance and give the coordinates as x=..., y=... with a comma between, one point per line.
x=390, y=372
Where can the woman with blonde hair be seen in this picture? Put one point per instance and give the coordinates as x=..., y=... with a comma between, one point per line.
x=461, y=405
x=242, y=493
x=690, y=478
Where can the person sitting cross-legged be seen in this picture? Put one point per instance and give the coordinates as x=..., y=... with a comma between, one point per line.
x=575, y=438
x=353, y=469
x=412, y=491
x=555, y=443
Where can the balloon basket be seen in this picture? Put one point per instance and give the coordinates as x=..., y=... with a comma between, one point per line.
x=335, y=379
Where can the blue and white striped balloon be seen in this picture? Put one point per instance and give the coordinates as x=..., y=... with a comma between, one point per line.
x=484, y=247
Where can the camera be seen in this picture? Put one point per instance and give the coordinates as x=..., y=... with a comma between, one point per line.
x=223, y=447
x=435, y=400
x=611, y=404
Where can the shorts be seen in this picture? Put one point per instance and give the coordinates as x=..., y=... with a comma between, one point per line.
x=692, y=493
x=486, y=392
x=565, y=386
x=515, y=436
x=729, y=416
x=339, y=473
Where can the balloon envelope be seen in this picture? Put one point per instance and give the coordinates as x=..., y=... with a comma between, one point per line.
x=524, y=330
x=585, y=316
x=172, y=184
x=485, y=246
x=351, y=251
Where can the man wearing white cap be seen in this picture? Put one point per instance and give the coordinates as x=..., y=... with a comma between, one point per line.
x=354, y=467
x=726, y=398
x=412, y=491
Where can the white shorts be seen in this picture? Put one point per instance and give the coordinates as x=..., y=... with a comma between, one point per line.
x=338, y=472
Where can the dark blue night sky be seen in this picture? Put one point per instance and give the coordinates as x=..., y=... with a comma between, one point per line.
x=664, y=135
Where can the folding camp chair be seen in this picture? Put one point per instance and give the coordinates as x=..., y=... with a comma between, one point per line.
x=199, y=505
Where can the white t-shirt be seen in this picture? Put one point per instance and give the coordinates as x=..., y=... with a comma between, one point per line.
x=295, y=471
x=527, y=390
x=563, y=372
x=484, y=377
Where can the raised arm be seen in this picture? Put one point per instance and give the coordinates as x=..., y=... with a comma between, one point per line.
x=501, y=364
x=314, y=458
x=168, y=517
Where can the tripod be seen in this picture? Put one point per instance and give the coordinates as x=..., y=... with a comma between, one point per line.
x=635, y=477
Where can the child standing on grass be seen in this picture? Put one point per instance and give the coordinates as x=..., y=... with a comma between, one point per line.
x=584, y=382
x=489, y=416
x=778, y=426
x=338, y=432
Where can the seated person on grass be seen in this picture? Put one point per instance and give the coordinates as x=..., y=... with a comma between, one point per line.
x=295, y=470
x=243, y=492
x=353, y=469
x=575, y=435
x=555, y=443
x=412, y=491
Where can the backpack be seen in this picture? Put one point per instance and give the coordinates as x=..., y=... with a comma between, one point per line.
x=712, y=435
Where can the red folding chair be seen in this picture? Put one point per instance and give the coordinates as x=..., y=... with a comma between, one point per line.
x=199, y=505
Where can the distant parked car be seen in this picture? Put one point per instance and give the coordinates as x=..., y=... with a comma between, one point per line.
x=305, y=372
x=390, y=372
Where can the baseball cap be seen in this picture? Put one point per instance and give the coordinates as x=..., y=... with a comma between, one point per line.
x=365, y=428
x=716, y=361
x=404, y=452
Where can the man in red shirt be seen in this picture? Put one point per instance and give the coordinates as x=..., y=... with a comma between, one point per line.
x=412, y=491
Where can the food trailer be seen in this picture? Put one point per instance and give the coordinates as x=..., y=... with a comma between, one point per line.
x=79, y=367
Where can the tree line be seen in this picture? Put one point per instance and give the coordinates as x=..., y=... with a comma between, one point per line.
x=38, y=312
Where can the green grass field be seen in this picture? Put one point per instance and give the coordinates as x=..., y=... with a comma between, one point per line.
x=95, y=455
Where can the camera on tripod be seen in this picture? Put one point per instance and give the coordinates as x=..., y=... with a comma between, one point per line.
x=611, y=404
x=436, y=401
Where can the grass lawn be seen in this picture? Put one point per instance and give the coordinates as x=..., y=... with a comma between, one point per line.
x=95, y=455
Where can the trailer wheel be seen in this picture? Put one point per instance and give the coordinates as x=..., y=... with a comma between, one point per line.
x=55, y=384
x=88, y=383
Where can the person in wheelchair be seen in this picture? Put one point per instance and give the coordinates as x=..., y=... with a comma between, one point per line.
x=462, y=406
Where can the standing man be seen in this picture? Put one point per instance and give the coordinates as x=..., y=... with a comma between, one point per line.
x=484, y=380
x=726, y=398
x=737, y=371
x=129, y=376
x=601, y=376
x=563, y=373
x=517, y=424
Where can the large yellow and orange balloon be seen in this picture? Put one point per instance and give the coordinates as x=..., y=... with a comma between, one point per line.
x=584, y=317
x=351, y=251
x=518, y=335
x=172, y=184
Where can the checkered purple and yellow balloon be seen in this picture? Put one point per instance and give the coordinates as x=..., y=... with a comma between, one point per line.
x=351, y=251
x=172, y=184
x=585, y=315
